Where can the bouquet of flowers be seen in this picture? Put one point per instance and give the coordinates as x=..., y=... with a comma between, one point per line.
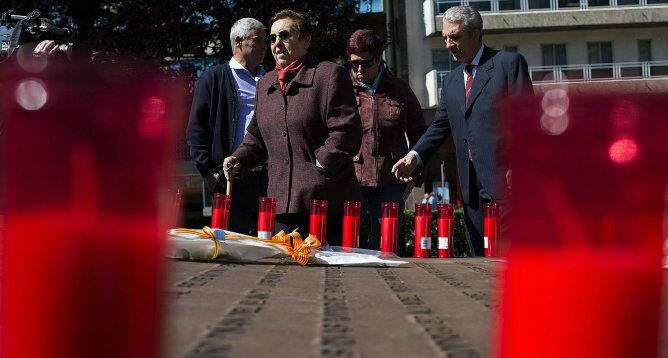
x=214, y=244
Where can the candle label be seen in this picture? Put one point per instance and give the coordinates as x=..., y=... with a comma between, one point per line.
x=443, y=243
x=425, y=242
x=486, y=240
x=266, y=235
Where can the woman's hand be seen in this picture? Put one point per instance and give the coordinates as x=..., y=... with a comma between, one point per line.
x=231, y=167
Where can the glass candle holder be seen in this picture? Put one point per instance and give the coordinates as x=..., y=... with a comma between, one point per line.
x=584, y=227
x=266, y=218
x=445, y=230
x=491, y=228
x=84, y=224
x=389, y=226
x=351, y=223
x=318, y=220
x=422, y=241
x=220, y=212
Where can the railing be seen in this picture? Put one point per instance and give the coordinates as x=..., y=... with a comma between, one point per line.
x=495, y=6
x=593, y=72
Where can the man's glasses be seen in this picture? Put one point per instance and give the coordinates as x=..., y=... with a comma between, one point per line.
x=283, y=35
x=364, y=63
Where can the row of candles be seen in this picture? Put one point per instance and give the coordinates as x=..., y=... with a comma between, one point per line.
x=389, y=231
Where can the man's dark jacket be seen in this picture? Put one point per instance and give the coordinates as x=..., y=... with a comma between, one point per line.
x=213, y=119
x=477, y=124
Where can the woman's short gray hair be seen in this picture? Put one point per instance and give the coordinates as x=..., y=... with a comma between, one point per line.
x=242, y=29
x=466, y=14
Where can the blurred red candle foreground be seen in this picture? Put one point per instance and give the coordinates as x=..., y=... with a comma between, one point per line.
x=84, y=156
x=446, y=217
x=422, y=230
x=583, y=277
x=351, y=223
x=389, y=226
x=318, y=220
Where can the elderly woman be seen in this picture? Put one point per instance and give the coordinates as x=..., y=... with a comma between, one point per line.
x=392, y=122
x=306, y=126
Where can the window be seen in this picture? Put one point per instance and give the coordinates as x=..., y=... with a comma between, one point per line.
x=539, y=4
x=554, y=54
x=563, y=4
x=443, y=60
x=510, y=48
x=599, y=52
x=481, y=5
x=440, y=6
x=509, y=5
x=599, y=3
x=644, y=50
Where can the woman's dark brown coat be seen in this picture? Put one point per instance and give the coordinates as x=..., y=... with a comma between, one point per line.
x=316, y=119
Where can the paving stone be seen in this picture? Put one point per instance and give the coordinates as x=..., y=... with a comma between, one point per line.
x=431, y=308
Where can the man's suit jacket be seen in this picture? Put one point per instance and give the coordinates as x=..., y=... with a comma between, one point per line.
x=478, y=123
x=213, y=119
x=314, y=122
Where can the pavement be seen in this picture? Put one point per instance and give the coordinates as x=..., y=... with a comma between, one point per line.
x=431, y=308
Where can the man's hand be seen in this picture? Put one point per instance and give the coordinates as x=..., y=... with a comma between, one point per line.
x=231, y=167
x=45, y=48
x=404, y=167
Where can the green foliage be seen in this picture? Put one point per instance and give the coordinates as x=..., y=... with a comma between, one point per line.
x=407, y=234
x=152, y=29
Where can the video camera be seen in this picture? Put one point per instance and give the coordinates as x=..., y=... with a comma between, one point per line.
x=16, y=30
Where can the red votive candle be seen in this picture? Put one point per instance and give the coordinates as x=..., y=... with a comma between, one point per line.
x=389, y=226
x=491, y=212
x=318, y=220
x=422, y=230
x=266, y=218
x=582, y=277
x=220, y=213
x=351, y=223
x=83, y=243
x=446, y=216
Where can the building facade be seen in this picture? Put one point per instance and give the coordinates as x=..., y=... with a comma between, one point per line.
x=584, y=45
x=617, y=45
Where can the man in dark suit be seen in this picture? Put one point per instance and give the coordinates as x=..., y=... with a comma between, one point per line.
x=223, y=106
x=468, y=109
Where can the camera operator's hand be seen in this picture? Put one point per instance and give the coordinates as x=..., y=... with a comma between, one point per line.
x=45, y=48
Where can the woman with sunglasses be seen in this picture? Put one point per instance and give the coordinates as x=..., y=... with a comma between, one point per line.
x=306, y=126
x=390, y=114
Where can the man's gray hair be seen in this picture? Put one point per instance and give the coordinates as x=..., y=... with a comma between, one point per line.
x=242, y=29
x=466, y=14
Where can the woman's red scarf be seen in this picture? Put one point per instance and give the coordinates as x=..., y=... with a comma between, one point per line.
x=285, y=74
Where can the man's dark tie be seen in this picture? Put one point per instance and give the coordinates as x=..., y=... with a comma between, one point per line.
x=469, y=81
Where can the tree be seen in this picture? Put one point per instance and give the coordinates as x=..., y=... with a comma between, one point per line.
x=171, y=29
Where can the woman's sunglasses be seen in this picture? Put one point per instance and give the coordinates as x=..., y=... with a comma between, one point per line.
x=364, y=63
x=283, y=35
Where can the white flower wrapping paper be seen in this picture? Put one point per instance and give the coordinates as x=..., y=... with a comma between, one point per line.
x=194, y=246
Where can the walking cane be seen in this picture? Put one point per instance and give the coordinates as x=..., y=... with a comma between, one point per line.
x=228, y=190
